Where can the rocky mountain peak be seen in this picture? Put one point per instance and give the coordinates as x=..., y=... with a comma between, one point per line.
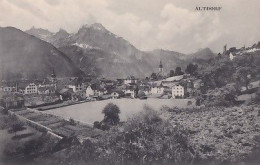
x=95, y=26
x=62, y=32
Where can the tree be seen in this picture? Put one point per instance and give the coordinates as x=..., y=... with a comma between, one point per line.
x=153, y=76
x=243, y=76
x=171, y=73
x=191, y=69
x=141, y=94
x=111, y=112
x=178, y=71
x=97, y=125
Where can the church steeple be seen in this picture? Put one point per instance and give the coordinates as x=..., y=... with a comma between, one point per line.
x=53, y=75
x=160, y=67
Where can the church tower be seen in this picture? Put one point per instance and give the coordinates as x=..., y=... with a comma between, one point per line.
x=160, y=67
x=53, y=76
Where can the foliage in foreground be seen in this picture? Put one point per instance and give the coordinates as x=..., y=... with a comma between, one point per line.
x=144, y=139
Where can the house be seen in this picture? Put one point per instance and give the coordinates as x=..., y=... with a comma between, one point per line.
x=8, y=86
x=12, y=101
x=8, y=89
x=130, y=91
x=95, y=90
x=117, y=94
x=178, y=91
x=31, y=88
x=76, y=85
x=130, y=79
x=89, y=91
x=145, y=88
x=27, y=87
x=157, y=89
x=48, y=83
x=46, y=90
x=105, y=82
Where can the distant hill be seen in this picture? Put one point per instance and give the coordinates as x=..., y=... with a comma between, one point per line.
x=23, y=56
x=204, y=54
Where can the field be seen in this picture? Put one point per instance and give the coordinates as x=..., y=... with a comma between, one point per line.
x=91, y=111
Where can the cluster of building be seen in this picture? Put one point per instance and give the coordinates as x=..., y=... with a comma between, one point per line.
x=77, y=89
x=46, y=86
x=233, y=52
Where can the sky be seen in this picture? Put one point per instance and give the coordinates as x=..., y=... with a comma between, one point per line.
x=147, y=24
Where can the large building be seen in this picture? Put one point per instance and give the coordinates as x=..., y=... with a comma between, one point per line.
x=178, y=91
x=27, y=88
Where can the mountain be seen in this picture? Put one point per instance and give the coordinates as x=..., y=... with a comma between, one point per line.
x=40, y=33
x=25, y=56
x=99, y=52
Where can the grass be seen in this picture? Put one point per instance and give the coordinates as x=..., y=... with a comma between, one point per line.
x=91, y=111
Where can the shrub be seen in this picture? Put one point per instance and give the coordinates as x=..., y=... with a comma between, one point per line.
x=72, y=121
x=189, y=103
x=97, y=125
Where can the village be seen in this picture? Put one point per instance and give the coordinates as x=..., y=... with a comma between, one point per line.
x=52, y=90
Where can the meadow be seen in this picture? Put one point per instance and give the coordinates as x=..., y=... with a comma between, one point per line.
x=92, y=111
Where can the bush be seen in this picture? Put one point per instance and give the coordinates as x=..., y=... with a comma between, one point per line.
x=97, y=125
x=189, y=103
x=72, y=121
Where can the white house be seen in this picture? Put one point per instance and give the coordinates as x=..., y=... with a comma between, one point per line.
x=130, y=91
x=157, y=89
x=31, y=88
x=178, y=91
x=8, y=89
x=89, y=91
x=95, y=90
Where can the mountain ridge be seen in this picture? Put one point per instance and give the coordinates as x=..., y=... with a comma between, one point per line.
x=113, y=49
x=24, y=56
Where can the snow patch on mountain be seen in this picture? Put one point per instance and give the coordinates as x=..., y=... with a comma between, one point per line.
x=252, y=50
x=84, y=46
